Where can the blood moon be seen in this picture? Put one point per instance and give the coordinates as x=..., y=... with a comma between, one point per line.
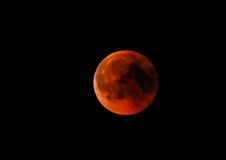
x=125, y=82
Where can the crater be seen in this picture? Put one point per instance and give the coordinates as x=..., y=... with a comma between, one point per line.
x=108, y=97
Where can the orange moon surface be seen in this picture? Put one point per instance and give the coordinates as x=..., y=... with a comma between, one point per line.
x=125, y=82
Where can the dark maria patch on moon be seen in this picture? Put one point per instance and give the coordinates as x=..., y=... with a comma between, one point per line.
x=120, y=93
x=145, y=80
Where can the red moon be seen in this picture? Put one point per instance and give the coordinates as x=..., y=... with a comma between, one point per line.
x=125, y=82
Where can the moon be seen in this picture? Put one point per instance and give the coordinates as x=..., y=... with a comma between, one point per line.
x=125, y=82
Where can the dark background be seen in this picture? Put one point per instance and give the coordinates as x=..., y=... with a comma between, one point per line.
x=59, y=51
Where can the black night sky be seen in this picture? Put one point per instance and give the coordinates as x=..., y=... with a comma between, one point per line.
x=63, y=111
